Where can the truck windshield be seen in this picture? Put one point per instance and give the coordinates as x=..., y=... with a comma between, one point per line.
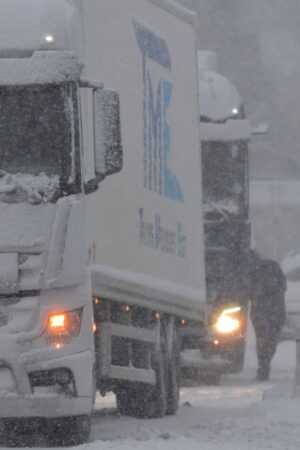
x=35, y=130
x=224, y=177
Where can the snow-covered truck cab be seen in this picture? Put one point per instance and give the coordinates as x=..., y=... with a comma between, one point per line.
x=48, y=163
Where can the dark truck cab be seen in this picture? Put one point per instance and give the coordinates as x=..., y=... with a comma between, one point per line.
x=219, y=345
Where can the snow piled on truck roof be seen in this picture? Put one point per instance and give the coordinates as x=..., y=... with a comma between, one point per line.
x=217, y=96
x=42, y=67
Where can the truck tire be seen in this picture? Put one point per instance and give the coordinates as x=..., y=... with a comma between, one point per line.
x=239, y=358
x=138, y=402
x=156, y=405
x=15, y=433
x=144, y=401
x=173, y=385
x=68, y=431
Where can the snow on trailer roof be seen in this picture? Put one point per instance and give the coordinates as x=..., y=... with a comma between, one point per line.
x=28, y=25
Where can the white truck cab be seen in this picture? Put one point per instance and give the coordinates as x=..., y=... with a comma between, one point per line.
x=96, y=273
x=46, y=349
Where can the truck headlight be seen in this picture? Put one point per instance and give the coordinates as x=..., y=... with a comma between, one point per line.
x=63, y=327
x=228, y=322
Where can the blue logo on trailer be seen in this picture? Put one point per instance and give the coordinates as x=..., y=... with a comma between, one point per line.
x=157, y=133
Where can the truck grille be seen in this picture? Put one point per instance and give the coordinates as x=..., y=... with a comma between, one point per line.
x=30, y=265
x=18, y=310
x=16, y=313
x=4, y=318
x=7, y=301
x=22, y=258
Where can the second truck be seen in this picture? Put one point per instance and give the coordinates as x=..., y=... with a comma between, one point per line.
x=219, y=348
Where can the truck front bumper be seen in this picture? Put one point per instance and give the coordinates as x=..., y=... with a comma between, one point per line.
x=25, y=389
x=225, y=356
x=47, y=406
x=193, y=359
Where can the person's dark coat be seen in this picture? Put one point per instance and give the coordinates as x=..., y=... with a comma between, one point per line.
x=268, y=288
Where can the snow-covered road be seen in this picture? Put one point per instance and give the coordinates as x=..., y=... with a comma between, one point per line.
x=240, y=414
x=235, y=415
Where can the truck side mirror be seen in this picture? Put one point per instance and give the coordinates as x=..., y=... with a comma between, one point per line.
x=107, y=133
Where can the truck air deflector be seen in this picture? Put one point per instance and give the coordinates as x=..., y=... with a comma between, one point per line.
x=44, y=67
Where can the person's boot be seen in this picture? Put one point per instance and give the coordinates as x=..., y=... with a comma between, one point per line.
x=263, y=373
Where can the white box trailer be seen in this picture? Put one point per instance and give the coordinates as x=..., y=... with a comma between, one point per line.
x=147, y=221
x=123, y=253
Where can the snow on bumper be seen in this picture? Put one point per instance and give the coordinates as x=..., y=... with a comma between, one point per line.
x=30, y=406
x=18, y=398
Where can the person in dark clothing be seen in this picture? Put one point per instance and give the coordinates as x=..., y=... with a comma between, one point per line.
x=267, y=312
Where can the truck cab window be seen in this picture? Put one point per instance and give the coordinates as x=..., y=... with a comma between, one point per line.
x=35, y=130
x=224, y=178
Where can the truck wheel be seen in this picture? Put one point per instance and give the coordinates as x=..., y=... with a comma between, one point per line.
x=133, y=401
x=15, y=434
x=173, y=387
x=21, y=432
x=68, y=431
x=144, y=401
x=238, y=359
x=157, y=402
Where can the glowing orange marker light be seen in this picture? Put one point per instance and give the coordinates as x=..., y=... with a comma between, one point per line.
x=94, y=327
x=57, y=321
x=62, y=328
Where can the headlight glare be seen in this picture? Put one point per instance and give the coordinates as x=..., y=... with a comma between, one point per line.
x=227, y=321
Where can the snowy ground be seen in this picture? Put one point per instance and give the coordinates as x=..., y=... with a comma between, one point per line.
x=240, y=414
